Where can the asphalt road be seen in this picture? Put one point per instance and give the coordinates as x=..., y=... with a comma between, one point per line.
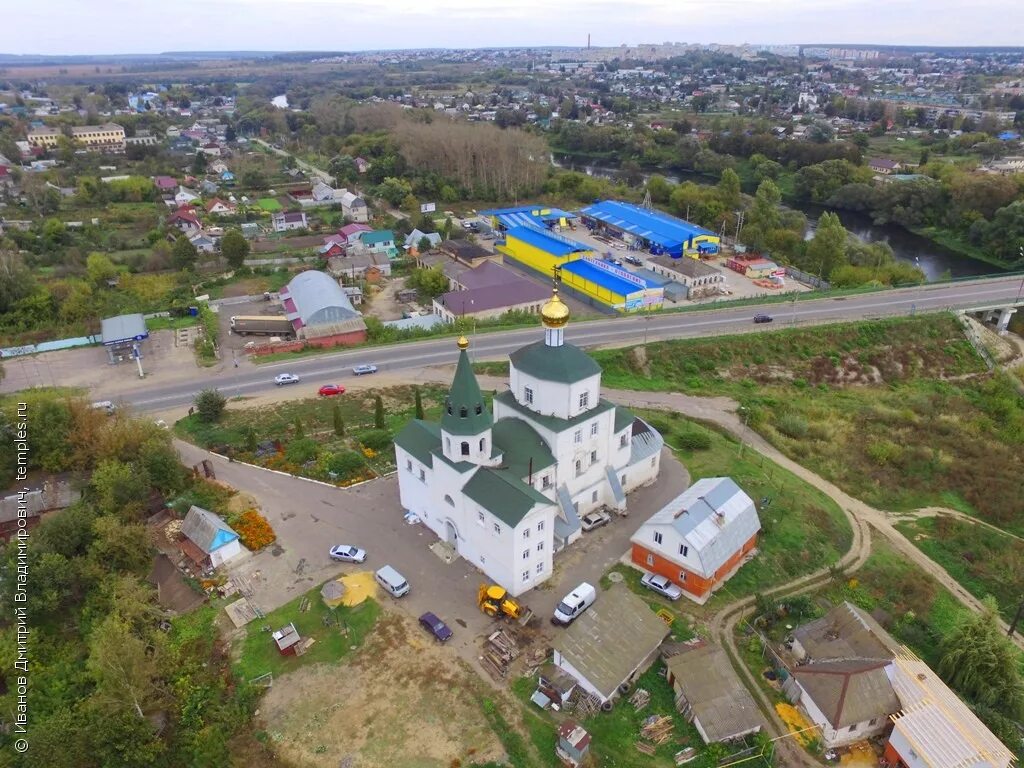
x=615, y=331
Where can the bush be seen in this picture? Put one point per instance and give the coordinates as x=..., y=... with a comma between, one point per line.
x=376, y=439
x=210, y=404
x=301, y=450
x=345, y=463
x=693, y=440
x=792, y=425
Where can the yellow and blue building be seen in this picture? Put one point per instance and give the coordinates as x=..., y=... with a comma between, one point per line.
x=649, y=229
x=529, y=215
x=612, y=286
x=541, y=250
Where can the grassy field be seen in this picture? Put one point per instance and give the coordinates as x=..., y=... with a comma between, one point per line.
x=802, y=529
x=170, y=323
x=984, y=561
x=269, y=204
x=305, y=430
x=900, y=413
x=337, y=633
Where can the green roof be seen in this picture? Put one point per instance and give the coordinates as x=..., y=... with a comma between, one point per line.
x=503, y=494
x=623, y=418
x=520, y=443
x=554, y=423
x=465, y=412
x=420, y=438
x=378, y=236
x=564, y=364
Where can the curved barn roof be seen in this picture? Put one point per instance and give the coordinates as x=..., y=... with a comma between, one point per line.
x=315, y=298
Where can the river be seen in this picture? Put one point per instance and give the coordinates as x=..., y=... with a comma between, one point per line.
x=931, y=258
x=280, y=101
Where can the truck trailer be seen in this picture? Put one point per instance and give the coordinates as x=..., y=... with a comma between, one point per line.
x=261, y=325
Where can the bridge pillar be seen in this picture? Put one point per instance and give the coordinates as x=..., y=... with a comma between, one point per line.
x=1004, y=319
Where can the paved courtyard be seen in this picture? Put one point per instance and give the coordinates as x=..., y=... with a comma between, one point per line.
x=309, y=517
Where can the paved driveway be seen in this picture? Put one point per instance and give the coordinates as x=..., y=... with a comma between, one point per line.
x=309, y=518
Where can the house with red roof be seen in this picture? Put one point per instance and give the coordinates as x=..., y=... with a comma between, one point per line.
x=165, y=183
x=218, y=207
x=184, y=219
x=351, y=232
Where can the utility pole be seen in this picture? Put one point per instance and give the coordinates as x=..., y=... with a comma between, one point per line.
x=743, y=434
x=1016, y=619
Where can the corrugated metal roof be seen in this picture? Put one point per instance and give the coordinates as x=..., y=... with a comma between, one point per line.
x=123, y=328
x=503, y=494
x=714, y=517
x=606, y=279
x=490, y=297
x=206, y=530
x=653, y=226
x=546, y=241
x=318, y=299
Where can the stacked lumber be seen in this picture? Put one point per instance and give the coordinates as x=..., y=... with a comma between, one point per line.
x=657, y=728
x=503, y=645
x=640, y=699
x=647, y=749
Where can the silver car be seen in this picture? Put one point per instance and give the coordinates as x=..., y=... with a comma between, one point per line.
x=662, y=586
x=346, y=553
x=362, y=370
x=593, y=520
x=286, y=378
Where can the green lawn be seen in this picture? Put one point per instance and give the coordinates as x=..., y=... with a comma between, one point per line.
x=337, y=632
x=983, y=561
x=170, y=323
x=802, y=529
x=269, y=204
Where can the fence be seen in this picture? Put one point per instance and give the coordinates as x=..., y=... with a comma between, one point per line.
x=49, y=346
x=808, y=279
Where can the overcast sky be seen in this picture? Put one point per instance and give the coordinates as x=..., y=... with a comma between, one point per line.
x=152, y=26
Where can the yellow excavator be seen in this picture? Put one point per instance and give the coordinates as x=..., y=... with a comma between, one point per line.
x=495, y=601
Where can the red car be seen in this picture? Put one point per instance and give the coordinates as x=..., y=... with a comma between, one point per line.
x=330, y=390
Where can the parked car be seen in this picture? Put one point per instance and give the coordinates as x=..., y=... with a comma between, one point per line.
x=763, y=318
x=636, y=262
x=612, y=260
x=346, y=553
x=574, y=604
x=392, y=581
x=593, y=520
x=435, y=626
x=286, y=378
x=330, y=390
x=661, y=585
x=361, y=370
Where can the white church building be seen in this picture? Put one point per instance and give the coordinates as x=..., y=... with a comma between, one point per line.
x=506, y=490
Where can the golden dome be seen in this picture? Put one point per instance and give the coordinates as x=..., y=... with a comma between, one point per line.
x=555, y=313
x=463, y=342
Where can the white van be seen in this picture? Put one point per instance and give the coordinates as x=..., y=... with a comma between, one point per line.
x=574, y=604
x=104, y=405
x=392, y=581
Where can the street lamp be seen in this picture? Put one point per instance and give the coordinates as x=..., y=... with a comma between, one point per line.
x=743, y=434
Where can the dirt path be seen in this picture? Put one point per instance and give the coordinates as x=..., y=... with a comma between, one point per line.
x=937, y=511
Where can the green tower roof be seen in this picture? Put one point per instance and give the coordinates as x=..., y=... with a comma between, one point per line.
x=465, y=412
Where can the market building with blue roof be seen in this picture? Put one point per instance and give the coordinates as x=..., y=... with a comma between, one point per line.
x=614, y=287
x=541, y=250
x=648, y=229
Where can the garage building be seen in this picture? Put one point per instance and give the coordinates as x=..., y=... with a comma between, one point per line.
x=320, y=311
x=648, y=229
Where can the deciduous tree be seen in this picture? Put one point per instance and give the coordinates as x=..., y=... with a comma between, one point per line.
x=235, y=248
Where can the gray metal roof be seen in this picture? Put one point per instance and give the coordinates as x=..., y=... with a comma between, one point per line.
x=318, y=298
x=719, y=700
x=714, y=517
x=612, y=638
x=123, y=328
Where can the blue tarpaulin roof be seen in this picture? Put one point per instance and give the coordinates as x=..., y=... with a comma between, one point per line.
x=655, y=227
x=556, y=245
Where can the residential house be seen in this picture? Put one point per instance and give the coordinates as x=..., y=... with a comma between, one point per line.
x=354, y=207
x=185, y=195
x=611, y=644
x=412, y=241
x=210, y=149
x=165, y=184
x=354, y=266
x=331, y=249
x=208, y=187
x=883, y=165
x=362, y=165
x=208, y=540
x=25, y=510
x=845, y=632
x=506, y=491
x=220, y=208
x=521, y=295
x=848, y=699
x=184, y=219
x=378, y=241
x=351, y=232
x=203, y=243
x=227, y=177
x=709, y=693
x=218, y=167
x=282, y=222
x=699, y=539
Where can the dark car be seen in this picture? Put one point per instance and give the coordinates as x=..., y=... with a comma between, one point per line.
x=330, y=390
x=763, y=318
x=435, y=626
x=634, y=261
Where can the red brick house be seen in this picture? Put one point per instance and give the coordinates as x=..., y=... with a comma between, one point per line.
x=700, y=538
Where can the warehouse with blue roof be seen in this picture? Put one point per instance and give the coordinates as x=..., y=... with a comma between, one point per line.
x=528, y=215
x=612, y=286
x=541, y=250
x=649, y=229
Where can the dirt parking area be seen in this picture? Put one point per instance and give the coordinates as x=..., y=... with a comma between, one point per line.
x=88, y=367
x=228, y=340
x=384, y=304
x=402, y=701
